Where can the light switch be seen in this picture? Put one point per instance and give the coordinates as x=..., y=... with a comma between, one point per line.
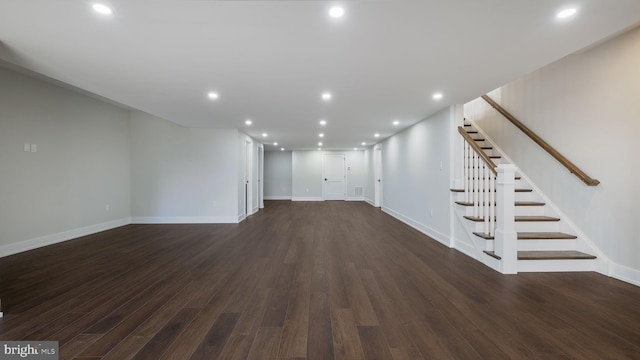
x=34, y=148
x=27, y=147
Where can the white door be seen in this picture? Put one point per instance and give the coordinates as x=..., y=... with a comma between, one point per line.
x=248, y=174
x=334, y=177
x=260, y=176
x=377, y=171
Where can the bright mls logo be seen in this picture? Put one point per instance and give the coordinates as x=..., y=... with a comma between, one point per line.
x=33, y=350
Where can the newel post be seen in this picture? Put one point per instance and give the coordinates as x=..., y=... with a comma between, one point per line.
x=506, y=238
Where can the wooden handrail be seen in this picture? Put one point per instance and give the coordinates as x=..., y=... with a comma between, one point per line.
x=548, y=148
x=478, y=150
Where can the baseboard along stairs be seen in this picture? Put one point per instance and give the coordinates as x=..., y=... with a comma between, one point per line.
x=543, y=241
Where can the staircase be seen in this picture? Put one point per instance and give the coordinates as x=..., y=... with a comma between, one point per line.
x=544, y=241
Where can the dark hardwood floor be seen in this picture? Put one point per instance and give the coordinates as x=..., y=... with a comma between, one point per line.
x=304, y=281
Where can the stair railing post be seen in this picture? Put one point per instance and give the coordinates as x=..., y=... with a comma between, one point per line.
x=506, y=238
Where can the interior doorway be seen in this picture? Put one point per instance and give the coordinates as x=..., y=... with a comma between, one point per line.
x=333, y=172
x=248, y=174
x=377, y=174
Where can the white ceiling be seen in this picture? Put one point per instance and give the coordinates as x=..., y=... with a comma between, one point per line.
x=271, y=60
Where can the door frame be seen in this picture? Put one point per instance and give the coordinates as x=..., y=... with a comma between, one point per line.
x=248, y=174
x=344, y=172
x=377, y=175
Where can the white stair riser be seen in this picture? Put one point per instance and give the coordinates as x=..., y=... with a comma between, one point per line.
x=546, y=245
x=529, y=210
x=537, y=226
x=538, y=245
x=519, y=210
x=556, y=265
x=526, y=196
x=525, y=226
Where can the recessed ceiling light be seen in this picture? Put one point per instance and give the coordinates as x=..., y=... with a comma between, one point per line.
x=213, y=95
x=396, y=122
x=437, y=96
x=355, y=148
x=319, y=149
x=102, y=9
x=326, y=96
x=321, y=135
x=248, y=122
x=336, y=12
x=275, y=144
x=320, y=144
x=364, y=143
x=281, y=149
x=376, y=135
x=264, y=134
x=323, y=122
x=566, y=13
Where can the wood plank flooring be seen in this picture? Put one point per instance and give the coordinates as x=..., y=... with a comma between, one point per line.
x=321, y=280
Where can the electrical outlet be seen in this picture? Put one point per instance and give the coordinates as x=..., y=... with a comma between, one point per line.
x=214, y=203
x=27, y=147
x=34, y=148
x=307, y=189
x=107, y=207
x=431, y=211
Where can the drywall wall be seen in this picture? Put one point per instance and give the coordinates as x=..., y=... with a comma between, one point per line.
x=180, y=174
x=306, y=179
x=415, y=169
x=356, y=174
x=587, y=107
x=277, y=175
x=77, y=180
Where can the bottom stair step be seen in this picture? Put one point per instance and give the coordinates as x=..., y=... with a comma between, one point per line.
x=548, y=255
x=533, y=236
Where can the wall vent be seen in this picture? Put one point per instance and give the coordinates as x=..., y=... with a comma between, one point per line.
x=359, y=191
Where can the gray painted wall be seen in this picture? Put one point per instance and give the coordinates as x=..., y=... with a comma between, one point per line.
x=182, y=174
x=77, y=181
x=277, y=175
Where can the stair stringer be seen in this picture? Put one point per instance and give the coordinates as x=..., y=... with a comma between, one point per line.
x=475, y=245
x=601, y=264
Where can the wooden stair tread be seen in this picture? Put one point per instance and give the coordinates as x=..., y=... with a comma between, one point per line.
x=529, y=203
x=517, y=218
x=492, y=254
x=547, y=255
x=533, y=236
x=544, y=236
x=518, y=203
x=554, y=255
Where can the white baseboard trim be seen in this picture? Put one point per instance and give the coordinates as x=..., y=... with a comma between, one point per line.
x=434, y=234
x=26, y=245
x=307, y=199
x=370, y=202
x=277, y=197
x=626, y=274
x=186, y=220
x=354, y=199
